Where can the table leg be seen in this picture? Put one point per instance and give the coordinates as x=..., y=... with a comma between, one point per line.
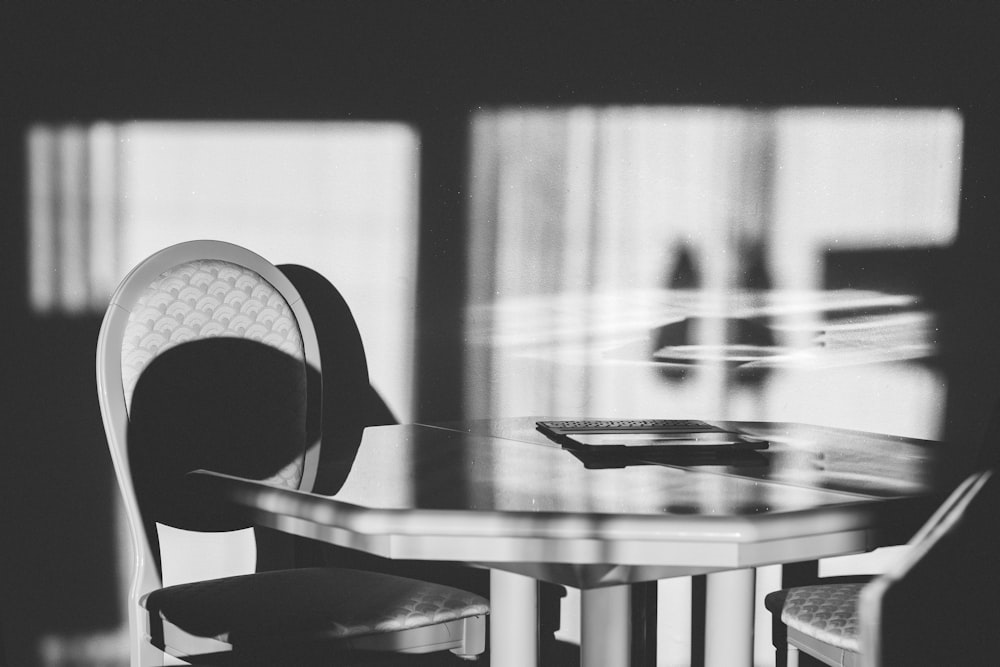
x=729, y=618
x=606, y=626
x=513, y=620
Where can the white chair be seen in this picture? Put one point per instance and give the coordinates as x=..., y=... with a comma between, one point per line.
x=938, y=605
x=208, y=358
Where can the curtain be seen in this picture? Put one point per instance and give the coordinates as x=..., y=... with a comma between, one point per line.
x=593, y=227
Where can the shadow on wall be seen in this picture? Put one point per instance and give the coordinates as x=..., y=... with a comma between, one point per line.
x=60, y=566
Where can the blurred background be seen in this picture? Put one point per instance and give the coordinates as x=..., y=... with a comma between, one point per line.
x=707, y=211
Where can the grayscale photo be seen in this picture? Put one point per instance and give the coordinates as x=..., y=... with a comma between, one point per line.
x=509, y=334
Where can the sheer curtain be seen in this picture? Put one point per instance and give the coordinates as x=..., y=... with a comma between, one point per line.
x=594, y=226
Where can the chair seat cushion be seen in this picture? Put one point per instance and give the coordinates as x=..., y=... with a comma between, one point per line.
x=332, y=602
x=827, y=612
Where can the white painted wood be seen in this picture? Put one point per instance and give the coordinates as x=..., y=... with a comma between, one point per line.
x=513, y=620
x=729, y=618
x=606, y=626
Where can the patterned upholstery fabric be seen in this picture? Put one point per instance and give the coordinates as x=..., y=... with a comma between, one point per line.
x=205, y=299
x=338, y=603
x=827, y=612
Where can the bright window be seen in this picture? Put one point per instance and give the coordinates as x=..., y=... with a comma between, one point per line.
x=340, y=198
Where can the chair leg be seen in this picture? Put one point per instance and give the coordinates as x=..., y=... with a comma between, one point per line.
x=473, y=638
x=793, y=656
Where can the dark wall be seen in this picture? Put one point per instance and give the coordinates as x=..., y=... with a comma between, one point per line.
x=429, y=64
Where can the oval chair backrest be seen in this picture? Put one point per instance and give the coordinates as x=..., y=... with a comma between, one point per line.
x=205, y=298
x=191, y=291
x=208, y=298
